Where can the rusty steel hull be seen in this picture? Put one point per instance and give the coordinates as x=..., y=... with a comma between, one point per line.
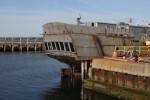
x=85, y=41
x=67, y=60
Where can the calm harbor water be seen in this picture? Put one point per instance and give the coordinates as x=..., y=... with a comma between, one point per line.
x=34, y=76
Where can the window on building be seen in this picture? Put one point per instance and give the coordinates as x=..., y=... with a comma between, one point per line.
x=62, y=45
x=53, y=45
x=46, y=45
x=71, y=47
x=57, y=45
x=67, y=47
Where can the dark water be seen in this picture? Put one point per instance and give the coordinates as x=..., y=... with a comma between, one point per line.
x=31, y=76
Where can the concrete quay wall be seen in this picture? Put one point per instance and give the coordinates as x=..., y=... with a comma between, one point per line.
x=120, y=78
x=123, y=66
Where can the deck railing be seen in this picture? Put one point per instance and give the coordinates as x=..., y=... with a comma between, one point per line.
x=141, y=50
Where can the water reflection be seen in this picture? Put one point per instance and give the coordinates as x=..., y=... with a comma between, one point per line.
x=27, y=76
x=71, y=89
x=91, y=95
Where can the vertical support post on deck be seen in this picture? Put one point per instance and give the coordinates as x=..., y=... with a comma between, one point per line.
x=72, y=72
x=12, y=44
x=27, y=45
x=86, y=69
x=20, y=45
x=35, y=47
x=4, y=46
x=73, y=69
x=12, y=48
x=82, y=70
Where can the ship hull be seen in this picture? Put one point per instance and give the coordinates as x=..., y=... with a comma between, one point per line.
x=65, y=59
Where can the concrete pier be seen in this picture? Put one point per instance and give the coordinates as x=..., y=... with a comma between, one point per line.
x=120, y=78
x=11, y=44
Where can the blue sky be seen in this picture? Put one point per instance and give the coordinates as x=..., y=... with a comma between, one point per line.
x=26, y=17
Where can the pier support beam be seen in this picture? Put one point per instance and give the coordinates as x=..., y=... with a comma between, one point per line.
x=27, y=44
x=12, y=45
x=27, y=47
x=20, y=45
x=4, y=46
x=12, y=48
x=35, y=47
x=20, y=48
x=84, y=69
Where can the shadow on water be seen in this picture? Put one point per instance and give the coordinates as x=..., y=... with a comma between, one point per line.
x=92, y=95
x=71, y=89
